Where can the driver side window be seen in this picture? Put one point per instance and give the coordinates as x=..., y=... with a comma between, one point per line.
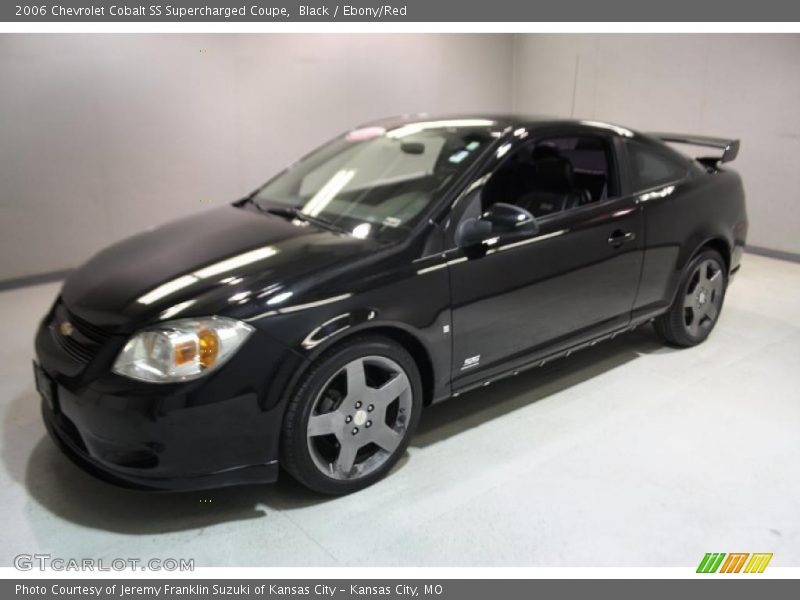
x=553, y=175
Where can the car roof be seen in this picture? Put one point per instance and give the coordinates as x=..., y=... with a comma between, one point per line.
x=503, y=121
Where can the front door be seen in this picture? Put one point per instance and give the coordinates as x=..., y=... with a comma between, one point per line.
x=516, y=300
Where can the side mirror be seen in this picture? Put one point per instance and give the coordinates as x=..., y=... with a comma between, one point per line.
x=500, y=220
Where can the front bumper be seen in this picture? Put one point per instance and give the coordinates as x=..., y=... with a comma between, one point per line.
x=220, y=430
x=68, y=440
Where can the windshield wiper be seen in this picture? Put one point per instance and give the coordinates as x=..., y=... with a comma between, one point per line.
x=290, y=212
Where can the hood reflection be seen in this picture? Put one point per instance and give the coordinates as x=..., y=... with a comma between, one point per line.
x=223, y=266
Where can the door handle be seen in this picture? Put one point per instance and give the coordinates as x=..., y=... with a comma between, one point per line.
x=620, y=237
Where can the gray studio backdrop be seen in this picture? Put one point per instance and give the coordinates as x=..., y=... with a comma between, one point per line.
x=104, y=135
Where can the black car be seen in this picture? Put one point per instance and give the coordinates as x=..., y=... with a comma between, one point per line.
x=403, y=263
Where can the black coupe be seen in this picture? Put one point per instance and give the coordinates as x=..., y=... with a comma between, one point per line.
x=403, y=263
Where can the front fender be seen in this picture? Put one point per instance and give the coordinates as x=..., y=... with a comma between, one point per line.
x=406, y=303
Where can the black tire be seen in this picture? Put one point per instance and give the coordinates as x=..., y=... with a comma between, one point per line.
x=698, y=302
x=304, y=454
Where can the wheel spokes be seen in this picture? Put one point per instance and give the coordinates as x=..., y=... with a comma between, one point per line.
x=386, y=437
x=373, y=399
x=694, y=322
x=711, y=311
x=324, y=424
x=704, y=269
x=391, y=390
x=703, y=297
x=347, y=457
x=716, y=282
x=356, y=378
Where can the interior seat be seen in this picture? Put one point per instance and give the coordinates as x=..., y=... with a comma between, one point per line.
x=553, y=188
x=512, y=181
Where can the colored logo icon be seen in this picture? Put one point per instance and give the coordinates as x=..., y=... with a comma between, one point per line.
x=736, y=562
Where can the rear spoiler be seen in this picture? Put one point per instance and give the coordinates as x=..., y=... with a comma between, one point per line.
x=730, y=148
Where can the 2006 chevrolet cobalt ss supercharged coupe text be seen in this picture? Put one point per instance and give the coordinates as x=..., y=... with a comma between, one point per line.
x=403, y=263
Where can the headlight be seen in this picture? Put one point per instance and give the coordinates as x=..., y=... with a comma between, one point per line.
x=181, y=350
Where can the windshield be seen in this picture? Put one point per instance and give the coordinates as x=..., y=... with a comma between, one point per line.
x=375, y=182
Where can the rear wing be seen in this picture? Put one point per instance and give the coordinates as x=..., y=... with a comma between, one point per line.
x=730, y=148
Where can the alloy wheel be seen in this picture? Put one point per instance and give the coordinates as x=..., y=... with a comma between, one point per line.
x=703, y=298
x=359, y=418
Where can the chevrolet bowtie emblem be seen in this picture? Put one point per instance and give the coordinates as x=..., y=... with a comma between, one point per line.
x=66, y=328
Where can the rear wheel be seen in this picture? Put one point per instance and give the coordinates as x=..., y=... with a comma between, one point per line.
x=352, y=416
x=698, y=303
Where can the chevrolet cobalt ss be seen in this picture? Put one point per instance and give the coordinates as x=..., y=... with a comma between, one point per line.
x=403, y=263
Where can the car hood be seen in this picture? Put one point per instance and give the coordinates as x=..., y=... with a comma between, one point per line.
x=201, y=265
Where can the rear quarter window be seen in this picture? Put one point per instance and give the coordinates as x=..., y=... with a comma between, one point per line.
x=651, y=166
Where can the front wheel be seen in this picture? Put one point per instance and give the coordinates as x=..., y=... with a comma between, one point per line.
x=698, y=303
x=352, y=416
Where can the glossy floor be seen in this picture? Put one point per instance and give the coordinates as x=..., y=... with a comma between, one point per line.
x=628, y=454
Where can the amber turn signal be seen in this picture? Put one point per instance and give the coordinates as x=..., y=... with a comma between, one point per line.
x=209, y=347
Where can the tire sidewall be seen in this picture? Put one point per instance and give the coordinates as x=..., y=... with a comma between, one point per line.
x=295, y=444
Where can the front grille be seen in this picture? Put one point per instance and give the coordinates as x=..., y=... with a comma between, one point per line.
x=77, y=352
x=92, y=332
x=79, y=339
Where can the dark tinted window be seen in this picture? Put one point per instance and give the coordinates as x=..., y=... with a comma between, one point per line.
x=591, y=162
x=554, y=174
x=651, y=167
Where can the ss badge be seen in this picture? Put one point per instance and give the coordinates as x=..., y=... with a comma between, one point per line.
x=472, y=361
